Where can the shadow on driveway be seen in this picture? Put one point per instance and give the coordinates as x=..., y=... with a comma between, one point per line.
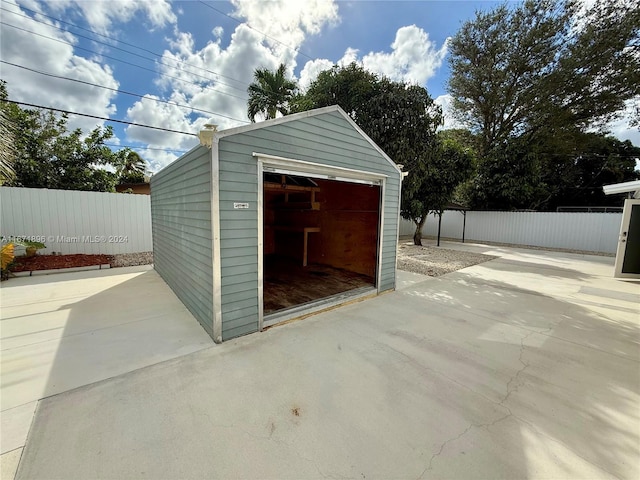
x=63, y=331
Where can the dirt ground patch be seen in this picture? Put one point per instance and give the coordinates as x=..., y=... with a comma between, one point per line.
x=436, y=261
x=52, y=262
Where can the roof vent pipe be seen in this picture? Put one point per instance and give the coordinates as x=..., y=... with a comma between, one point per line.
x=206, y=135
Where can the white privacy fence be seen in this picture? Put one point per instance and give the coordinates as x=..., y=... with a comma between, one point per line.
x=109, y=223
x=77, y=222
x=591, y=232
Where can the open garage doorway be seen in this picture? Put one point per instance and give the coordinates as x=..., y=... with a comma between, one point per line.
x=320, y=239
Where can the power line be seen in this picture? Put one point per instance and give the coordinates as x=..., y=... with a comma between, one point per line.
x=256, y=30
x=130, y=52
x=139, y=147
x=99, y=118
x=117, y=59
x=179, y=62
x=121, y=91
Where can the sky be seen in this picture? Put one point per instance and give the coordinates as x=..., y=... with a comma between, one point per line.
x=179, y=65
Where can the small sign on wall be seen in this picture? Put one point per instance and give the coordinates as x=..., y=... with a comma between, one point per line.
x=240, y=206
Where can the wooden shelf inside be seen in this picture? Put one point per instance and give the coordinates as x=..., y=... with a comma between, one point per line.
x=297, y=190
x=305, y=237
x=289, y=188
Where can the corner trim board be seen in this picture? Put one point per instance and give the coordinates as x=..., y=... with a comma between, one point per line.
x=215, y=241
x=260, y=217
x=380, y=235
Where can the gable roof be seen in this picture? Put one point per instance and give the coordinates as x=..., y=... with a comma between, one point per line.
x=309, y=113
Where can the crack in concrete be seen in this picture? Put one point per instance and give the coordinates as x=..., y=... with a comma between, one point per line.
x=459, y=436
x=524, y=364
x=509, y=391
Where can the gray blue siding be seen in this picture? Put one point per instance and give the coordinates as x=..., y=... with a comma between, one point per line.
x=327, y=138
x=181, y=224
x=182, y=212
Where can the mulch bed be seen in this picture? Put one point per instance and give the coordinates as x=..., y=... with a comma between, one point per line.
x=50, y=262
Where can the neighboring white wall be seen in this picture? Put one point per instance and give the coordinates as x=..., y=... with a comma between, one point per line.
x=77, y=222
x=591, y=232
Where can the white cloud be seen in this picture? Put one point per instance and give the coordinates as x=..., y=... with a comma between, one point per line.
x=215, y=78
x=101, y=15
x=287, y=22
x=312, y=68
x=450, y=121
x=218, y=31
x=162, y=115
x=620, y=127
x=42, y=54
x=413, y=57
x=311, y=71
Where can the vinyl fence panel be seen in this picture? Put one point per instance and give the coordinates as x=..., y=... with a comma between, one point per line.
x=591, y=232
x=77, y=222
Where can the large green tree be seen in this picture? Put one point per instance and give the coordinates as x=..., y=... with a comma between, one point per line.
x=544, y=64
x=530, y=81
x=270, y=93
x=46, y=154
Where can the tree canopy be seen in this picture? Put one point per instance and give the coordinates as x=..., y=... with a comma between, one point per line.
x=532, y=82
x=45, y=154
x=542, y=66
x=432, y=185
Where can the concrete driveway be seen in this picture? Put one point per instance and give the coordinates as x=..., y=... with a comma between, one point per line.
x=63, y=331
x=527, y=366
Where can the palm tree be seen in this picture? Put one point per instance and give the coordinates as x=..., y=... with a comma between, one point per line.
x=7, y=140
x=133, y=163
x=7, y=149
x=270, y=93
x=132, y=168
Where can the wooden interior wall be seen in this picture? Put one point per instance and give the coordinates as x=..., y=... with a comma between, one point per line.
x=348, y=238
x=284, y=224
x=348, y=221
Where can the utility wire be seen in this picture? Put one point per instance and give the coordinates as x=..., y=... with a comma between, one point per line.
x=268, y=93
x=255, y=30
x=179, y=62
x=118, y=60
x=139, y=147
x=128, y=51
x=121, y=91
x=99, y=118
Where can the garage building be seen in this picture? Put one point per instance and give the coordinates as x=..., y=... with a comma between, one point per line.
x=274, y=220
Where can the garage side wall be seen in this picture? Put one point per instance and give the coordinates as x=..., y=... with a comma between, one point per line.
x=181, y=225
x=327, y=138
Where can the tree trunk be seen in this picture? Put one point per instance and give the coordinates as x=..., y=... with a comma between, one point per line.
x=417, y=236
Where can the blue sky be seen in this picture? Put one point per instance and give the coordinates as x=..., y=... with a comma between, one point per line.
x=203, y=54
